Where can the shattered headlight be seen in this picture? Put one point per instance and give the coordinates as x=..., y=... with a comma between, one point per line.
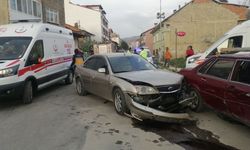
x=145, y=90
x=9, y=71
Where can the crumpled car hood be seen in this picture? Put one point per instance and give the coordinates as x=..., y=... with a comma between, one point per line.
x=152, y=77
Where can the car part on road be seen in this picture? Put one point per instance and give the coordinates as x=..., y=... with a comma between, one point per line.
x=119, y=101
x=173, y=113
x=27, y=96
x=80, y=87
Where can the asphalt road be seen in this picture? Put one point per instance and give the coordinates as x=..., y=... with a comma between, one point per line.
x=59, y=119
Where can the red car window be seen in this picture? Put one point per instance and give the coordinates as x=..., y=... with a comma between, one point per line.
x=206, y=65
x=242, y=72
x=221, y=69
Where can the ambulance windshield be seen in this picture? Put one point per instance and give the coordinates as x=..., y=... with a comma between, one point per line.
x=13, y=47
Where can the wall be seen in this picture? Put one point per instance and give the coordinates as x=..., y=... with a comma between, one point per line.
x=148, y=40
x=88, y=19
x=4, y=11
x=204, y=23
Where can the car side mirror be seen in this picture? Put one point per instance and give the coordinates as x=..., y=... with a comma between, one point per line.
x=102, y=70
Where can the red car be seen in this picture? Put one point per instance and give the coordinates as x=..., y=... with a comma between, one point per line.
x=223, y=83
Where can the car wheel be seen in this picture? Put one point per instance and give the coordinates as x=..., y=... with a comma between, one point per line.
x=80, y=88
x=27, y=96
x=197, y=104
x=119, y=102
x=70, y=77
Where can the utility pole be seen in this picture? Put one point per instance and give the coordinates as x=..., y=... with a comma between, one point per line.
x=160, y=15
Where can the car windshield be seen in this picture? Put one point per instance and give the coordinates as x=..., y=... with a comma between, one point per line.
x=129, y=63
x=13, y=47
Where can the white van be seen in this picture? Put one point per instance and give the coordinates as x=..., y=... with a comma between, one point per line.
x=238, y=37
x=34, y=56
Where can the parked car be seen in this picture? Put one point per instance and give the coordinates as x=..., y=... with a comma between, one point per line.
x=223, y=83
x=33, y=56
x=135, y=86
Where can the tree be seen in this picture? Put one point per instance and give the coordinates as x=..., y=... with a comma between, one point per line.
x=87, y=46
x=124, y=45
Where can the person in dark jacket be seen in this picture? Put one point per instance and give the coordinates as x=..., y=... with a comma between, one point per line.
x=77, y=59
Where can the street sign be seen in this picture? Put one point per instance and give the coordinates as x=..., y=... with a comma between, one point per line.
x=180, y=33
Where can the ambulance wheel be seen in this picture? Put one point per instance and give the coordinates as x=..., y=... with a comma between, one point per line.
x=27, y=96
x=70, y=77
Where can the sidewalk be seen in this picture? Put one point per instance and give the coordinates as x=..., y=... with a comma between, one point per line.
x=170, y=68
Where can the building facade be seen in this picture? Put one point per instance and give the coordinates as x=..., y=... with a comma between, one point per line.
x=91, y=18
x=37, y=10
x=80, y=36
x=147, y=39
x=53, y=11
x=114, y=37
x=203, y=21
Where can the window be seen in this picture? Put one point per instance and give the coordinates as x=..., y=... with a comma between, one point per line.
x=221, y=69
x=52, y=15
x=90, y=63
x=121, y=64
x=19, y=5
x=24, y=6
x=13, y=47
x=13, y=4
x=31, y=7
x=204, y=68
x=242, y=72
x=227, y=45
x=95, y=63
x=100, y=63
x=37, y=52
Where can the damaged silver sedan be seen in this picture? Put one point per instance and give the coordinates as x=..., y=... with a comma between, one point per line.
x=136, y=87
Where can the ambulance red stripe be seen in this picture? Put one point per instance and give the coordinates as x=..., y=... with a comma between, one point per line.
x=47, y=63
x=12, y=63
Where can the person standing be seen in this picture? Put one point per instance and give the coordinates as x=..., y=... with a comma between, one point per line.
x=189, y=51
x=157, y=57
x=144, y=53
x=168, y=57
x=77, y=59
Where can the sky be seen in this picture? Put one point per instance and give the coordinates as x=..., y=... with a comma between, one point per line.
x=132, y=17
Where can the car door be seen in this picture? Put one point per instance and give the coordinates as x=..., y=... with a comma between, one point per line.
x=238, y=91
x=214, y=83
x=87, y=73
x=35, y=62
x=100, y=82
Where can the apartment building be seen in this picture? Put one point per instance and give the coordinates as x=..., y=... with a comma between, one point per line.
x=91, y=18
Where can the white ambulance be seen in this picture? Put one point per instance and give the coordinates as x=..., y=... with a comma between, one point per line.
x=34, y=56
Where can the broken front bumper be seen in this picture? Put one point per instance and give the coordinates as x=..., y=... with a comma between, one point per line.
x=142, y=112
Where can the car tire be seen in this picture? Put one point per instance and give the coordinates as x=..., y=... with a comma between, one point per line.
x=119, y=102
x=197, y=105
x=80, y=87
x=27, y=96
x=70, y=78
